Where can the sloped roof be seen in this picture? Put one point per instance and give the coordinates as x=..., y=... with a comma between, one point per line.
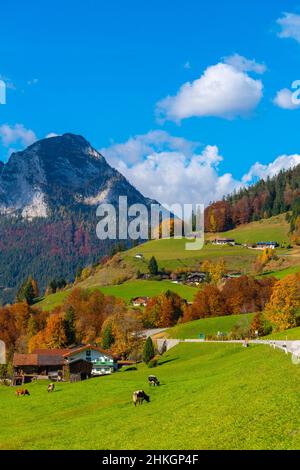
x=71, y=352
x=51, y=352
x=25, y=359
x=38, y=359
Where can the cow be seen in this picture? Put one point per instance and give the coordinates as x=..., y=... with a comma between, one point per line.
x=51, y=387
x=139, y=396
x=22, y=392
x=153, y=380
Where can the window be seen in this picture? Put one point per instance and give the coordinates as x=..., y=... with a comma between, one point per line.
x=88, y=354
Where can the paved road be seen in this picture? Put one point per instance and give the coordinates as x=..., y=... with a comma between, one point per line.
x=153, y=331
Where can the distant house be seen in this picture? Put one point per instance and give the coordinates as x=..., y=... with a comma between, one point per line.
x=72, y=364
x=139, y=256
x=232, y=275
x=224, y=241
x=140, y=301
x=196, y=278
x=263, y=245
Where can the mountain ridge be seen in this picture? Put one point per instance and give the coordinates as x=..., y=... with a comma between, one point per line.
x=63, y=171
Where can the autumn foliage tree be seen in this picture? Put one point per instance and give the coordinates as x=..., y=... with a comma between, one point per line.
x=285, y=301
x=257, y=327
x=263, y=259
x=215, y=271
x=238, y=295
x=163, y=310
x=126, y=328
x=208, y=302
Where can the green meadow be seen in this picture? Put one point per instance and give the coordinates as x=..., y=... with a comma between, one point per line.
x=212, y=396
x=283, y=272
x=291, y=334
x=272, y=229
x=208, y=326
x=171, y=254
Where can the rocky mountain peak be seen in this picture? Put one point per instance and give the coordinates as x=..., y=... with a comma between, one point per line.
x=61, y=171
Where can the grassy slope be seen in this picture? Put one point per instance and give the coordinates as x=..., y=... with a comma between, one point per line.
x=292, y=334
x=273, y=229
x=171, y=254
x=283, y=272
x=127, y=291
x=212, y=397
x=208, y=326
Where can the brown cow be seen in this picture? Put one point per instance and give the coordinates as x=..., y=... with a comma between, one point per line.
x=139, y=396
x=51, y=387
x=22, y=392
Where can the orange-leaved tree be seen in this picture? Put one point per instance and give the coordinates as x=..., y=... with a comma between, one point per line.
x=285, y=301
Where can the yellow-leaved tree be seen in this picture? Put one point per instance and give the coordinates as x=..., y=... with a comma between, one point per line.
x=284, y=303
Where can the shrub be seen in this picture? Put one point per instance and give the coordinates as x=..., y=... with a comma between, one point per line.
x=153, y=363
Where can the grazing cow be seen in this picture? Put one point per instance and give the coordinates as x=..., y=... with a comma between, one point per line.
x=51, y=387
x=153, y=380
x=22, y=392
x=139, y=396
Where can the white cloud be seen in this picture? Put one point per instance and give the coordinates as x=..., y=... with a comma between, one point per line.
x=139, y=146
x=224, y=90
x=260, y=171
x=17, y=134
x=290, y=26
x=245, y=65
x=185, y=174
x=284, y=99
x=170, y=169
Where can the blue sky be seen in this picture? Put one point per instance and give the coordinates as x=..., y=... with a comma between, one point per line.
x=100, y=68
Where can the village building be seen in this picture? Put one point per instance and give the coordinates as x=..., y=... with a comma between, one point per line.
x=233, y=275
x=139, y=256
x=196, y=278
x=224, y=241
x=140, y=301
x=72, y=364
x=263, y=245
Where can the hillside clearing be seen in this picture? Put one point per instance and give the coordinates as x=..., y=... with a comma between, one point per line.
x=273, y=229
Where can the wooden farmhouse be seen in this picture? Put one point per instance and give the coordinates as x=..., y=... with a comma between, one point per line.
x=72, y=364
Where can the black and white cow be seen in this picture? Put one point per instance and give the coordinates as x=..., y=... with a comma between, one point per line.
x=139, y=396
x=153, y=380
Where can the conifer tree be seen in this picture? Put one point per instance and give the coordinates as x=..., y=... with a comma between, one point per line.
x=149, y=352
x=153, y=266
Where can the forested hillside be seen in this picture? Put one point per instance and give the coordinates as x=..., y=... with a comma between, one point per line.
x=264, y=199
